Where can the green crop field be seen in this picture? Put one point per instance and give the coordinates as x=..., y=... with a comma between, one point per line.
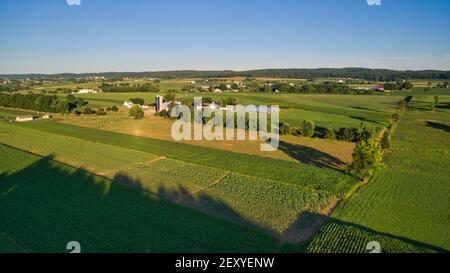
x=279, y=205
x=10, y=114
x=278, y=170
x=190, y=175
x=340, y=237
x=407, y=200
x=46, y=204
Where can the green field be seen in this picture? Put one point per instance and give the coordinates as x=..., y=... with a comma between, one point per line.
x=10, y=114
x=46, y=204
x=278, y=170
x=193, y=176
x=333, y=111
x=138, y=184
x=407, y=200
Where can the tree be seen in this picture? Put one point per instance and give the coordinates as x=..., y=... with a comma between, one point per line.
x=137, y=101
x=232, y=101
x=114, y=108
x=436, y=101
x=308, y=128
x=169, y=97
x=329, y=134
x=364, y=132
x=101, y=112
x=346, y=133
x=285, y=129
x=223, y=87
x=367, y=157
x=62, y=107
x=88, y=111
x=407, y=86
x=136, y=112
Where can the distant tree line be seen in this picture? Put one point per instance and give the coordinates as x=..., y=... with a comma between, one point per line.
x=41, y=103
x=384, y=75
x=324, y=87
x=10, y=87
x=126, y=87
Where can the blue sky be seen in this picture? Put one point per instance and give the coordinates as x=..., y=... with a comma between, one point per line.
x=49, y=36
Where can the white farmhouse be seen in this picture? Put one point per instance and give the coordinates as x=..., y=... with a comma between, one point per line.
x=87, y=91
x=24, y=118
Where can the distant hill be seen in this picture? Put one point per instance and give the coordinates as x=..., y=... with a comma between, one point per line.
x=360, y=73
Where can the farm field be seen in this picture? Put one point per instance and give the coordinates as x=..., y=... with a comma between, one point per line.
x=285, y=196
x=333, y=111
x=9, y=114
x=96, y=212
x=278, y=170
x=407, y=200
x=287, y=131
x=197, y=182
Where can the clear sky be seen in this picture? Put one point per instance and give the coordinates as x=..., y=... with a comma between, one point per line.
x=50, y=36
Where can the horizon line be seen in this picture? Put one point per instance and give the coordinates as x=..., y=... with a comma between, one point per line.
x=219, y=70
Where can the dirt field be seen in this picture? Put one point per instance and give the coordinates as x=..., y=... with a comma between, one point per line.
x=334, y=153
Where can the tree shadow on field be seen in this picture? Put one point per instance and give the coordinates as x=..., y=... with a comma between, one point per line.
x=54, y=204
x=199, y=201
x=437, y=125
x=366, y=109
x=311, y=156
x=366, y=120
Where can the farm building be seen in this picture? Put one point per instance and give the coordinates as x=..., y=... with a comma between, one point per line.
x=159, y=103
x=375, y=88
x=87, y=91
x=24, y=118
x=128, y=104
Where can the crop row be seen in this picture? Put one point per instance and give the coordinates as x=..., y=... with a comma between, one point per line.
x=336, y=237
x=72, y=205
x=278, y=170
x=252, y=201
